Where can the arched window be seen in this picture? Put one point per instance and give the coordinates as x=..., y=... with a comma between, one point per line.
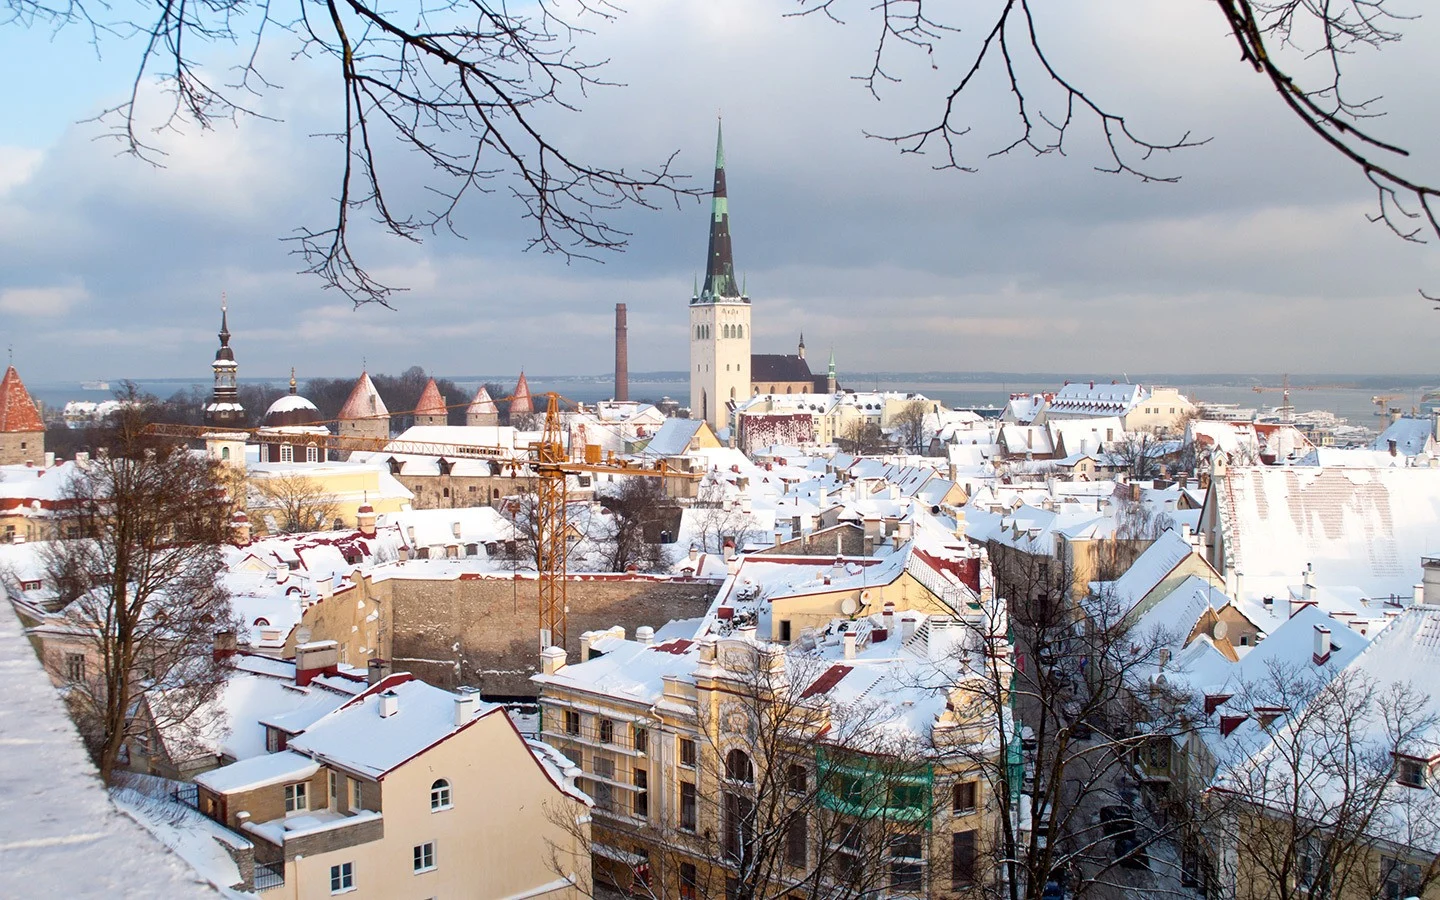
x=739, y=331
x=439, y=795
x=262, y=622
x=738, y=767
x=224, y=452
x=312, y=453
x=287, y=453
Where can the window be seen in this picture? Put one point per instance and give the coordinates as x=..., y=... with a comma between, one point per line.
x=572, y=722
x=1399, y=878
x=1410, y=772
x=312, y=453
x=739, y=825
x=607, y=731
x=342, y=878
x=1159, y=754
x=688, y=819
x=425, y=857
x=357, y=797
x=689, y=882
x=642, y=794
x=333, y=780
x=642, y=740
x=962, y=859
x=785, y=631
x=847, y=855
x=797, y=837
x=74, y=667
x=797, y=779
x=295, y=797
x=738, y=767
x=906, y=858
x=604, y=791
x=1309, y=857
x=224, y=453
x=287, y=453
x=439, y=795
x=964, y=798
x=687, y=752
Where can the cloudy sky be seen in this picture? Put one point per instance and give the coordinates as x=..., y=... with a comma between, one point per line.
x=1259, y=259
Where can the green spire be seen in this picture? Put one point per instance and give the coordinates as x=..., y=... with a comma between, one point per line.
x=832, y=362
x=719, y=145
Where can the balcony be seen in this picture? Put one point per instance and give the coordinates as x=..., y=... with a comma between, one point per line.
x=320, y=831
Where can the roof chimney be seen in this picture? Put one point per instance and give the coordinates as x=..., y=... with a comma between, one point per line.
x=849, y=640
x=467, y=701
x=315, y=659
x=552, y=660
x=225, y=644
x=645, y=635
x=389, y=704
x=1322, y=645
x=376, y=670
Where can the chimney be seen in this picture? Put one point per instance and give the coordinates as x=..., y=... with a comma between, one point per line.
x=622, y=354
x=848, y=638
x=907, y=628
x=389, y=704
x=1204, y=481
x=376, y=670
x=694, y=553
x=552, y=660
x=869, y=545
x=240, y=529
x=225, y=645
x=729, y=546
x=365, y=520
x=455, y=529
x=1322, y=645
x=960, y=524
x=1419, y=597
x=779, y=537
x=887, y=615
x=467, y=702
x=49, y=459
x=645, y=635
x=315, y=659
x=837, y=570
x=1392, y=446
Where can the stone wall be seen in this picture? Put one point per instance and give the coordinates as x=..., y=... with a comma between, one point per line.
x=20, y=447
x=484, y=632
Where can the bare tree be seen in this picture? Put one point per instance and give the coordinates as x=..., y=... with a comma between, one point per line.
x=144, y=587
x=862, y=436
x=909, y=426
x=1299, y=48
x=783, y=793
x=297, y=503
x=471, y=89
x=626, y=536
x=1084, y=710
x=1139, y=454
x=719, y=516
x=1318, y=809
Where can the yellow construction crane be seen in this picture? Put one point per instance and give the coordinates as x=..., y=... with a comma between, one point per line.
x=1382, y=404
x=547, y=458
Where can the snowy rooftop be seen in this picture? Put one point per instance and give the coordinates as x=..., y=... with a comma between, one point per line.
x=60, y=836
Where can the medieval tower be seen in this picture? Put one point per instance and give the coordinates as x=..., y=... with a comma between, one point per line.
x=719, y=320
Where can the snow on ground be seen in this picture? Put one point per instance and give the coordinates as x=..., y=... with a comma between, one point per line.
x=60, y=836
x=184, y=830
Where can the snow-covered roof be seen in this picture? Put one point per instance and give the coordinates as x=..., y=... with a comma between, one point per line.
x=60, y=835
x=1148, y=570
x=673, y=438
x=1366, y=528
x=1091, y=399
x=1412, y=436
x=358, y=738
x=290, y=403
x=259, y=771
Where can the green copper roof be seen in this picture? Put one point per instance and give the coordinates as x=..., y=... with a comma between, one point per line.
x=720, y=263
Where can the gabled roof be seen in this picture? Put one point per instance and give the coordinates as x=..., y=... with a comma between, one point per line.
x=17, y=410
x=1412, y=436
x=431, y=403
x=364, y=401
x=778, y=367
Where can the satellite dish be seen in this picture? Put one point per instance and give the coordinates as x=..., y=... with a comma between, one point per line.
x=865, y=595
x=1219, y=631
x=848, y=606
x=302, y=636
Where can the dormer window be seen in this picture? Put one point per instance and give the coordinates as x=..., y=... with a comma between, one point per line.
x=1410, y=772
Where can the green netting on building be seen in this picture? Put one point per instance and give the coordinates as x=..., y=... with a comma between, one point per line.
x=875, y=788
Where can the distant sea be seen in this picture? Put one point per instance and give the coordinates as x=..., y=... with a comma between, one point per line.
x=1347, y=396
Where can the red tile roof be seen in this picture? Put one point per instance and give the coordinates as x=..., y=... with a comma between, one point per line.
x=431, y=403
x=17, y=410
x=520, y=402
x=364, y=401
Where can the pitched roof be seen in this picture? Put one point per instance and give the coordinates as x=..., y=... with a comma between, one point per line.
x=431, y=403
x=17, y=410
x=520, y=401
x=482, y=403
x=778, y=367
x=364, y=401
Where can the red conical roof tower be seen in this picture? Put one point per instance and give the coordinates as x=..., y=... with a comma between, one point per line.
x=17, y=410
x=431, y=408
x=520, y=402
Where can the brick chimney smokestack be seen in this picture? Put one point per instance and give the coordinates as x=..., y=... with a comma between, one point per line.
x=622, y=355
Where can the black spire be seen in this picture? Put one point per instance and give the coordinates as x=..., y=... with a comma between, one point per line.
x=720, y=265
x=224, y=352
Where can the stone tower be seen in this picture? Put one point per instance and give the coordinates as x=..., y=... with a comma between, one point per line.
x=431, y=408
x=364, y=413
x=22, y=433
x=719, y=319
x=224, y=409
x=482, y=410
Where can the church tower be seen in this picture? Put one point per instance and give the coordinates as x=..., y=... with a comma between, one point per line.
x=719, y=320
x=224, y=409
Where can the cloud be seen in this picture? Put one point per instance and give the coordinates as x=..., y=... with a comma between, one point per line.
x=17, y=164
x=42, y=302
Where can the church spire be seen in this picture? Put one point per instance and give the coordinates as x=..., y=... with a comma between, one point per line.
x=720, y=264
x=224, y=409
